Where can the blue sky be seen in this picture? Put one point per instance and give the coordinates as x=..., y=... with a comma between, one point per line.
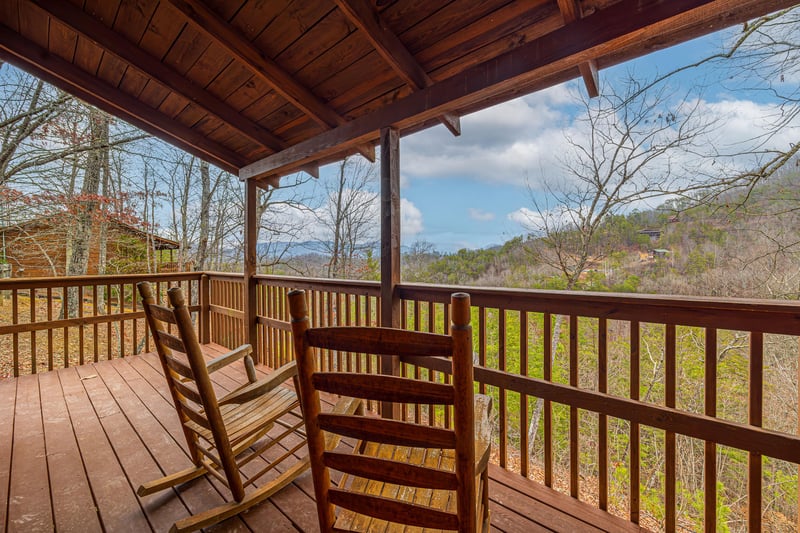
x=468, y=191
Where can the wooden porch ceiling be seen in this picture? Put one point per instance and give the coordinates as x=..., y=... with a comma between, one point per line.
x=264, y=89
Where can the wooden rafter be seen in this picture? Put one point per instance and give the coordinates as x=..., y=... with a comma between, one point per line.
x=114, y=43
x=607, y=29
x=392, y=50
x=264, y=67
x=571, y=11
x=52, y=69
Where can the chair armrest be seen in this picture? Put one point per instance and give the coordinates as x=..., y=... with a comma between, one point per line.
x=262, y=386
x=228, y=358
x=483, y=430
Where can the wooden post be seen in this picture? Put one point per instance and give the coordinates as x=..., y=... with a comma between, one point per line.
x=390, y=250
x=205, y=309
x=250, y=259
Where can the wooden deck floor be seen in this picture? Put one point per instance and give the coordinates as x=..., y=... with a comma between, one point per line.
x=75, y=443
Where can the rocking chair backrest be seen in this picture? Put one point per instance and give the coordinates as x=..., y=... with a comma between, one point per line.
x=189, y=383
x=460, y=440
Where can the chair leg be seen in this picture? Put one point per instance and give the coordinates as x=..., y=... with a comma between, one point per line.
x=225, y=511
x=170, y=481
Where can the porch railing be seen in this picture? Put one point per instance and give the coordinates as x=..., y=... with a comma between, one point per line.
x=60, y=322
x=673, y=412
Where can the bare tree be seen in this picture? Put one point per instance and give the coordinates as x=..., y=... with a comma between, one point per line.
x=634, y=151
x=349, y=216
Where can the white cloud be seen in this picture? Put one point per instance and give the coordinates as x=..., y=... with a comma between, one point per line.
x=480, y=215
x=410, y=220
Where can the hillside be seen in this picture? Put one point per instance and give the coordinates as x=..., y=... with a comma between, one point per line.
x=746, y=244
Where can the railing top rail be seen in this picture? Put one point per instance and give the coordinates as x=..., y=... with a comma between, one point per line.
x=364, y=288
x=767, y=316
x=113, y=279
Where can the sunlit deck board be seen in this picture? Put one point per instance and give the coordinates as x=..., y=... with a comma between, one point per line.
x=78, y=441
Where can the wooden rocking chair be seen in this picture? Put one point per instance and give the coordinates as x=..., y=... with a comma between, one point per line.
x=404, y=473
x=226, y=433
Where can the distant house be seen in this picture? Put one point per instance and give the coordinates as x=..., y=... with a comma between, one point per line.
x=654, y=234
x=40, y=247
x=660, y=253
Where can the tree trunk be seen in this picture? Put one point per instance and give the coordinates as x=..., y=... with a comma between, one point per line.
x=87, y=204
x=205, y=208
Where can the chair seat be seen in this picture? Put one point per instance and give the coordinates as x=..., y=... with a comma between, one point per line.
x=242, y=421
x=442, y=500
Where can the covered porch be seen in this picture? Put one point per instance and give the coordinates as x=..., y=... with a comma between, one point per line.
x=326, y=81
x=85, y=400
x=81, y=439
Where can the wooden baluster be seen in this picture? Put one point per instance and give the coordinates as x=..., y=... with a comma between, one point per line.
x=81, y=327
x=109, y=332
x=15, y=336
x=602, y=420
x=669, y=436
x=547, y=405
x=65, y=312
x=431, y=373
x=634, y=466
x=710, y=456
x=574, y=435
x=203, y=315
x=523, y=398
x=417, y=370
x=502, y=418
x=50, y=363
x=33, y=331
x=121, y=309
x=482, y=344
x=448, y=409
x=755, y=418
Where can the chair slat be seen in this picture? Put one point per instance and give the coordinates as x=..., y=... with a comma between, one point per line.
x=179, y=367
x=384, y=388
x=159, y=312
x=380, y=341
x=393, y=510
x=195, y=417
x=187, y=392
x=389, y=471
x=388, y=431
x=170, y=341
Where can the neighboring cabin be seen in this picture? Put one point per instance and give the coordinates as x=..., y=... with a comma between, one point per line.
x=40, y=247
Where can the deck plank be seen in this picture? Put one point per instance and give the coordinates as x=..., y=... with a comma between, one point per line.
x=8, y=397
x=74, y=508
x=117, y=504
x=29, y=497
x=144, y=409
x=106, y=427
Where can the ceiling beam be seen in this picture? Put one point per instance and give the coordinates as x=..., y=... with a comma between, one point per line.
x=571, y=11
x=115, y=44
x=56, y=71
x=263, y=66
x=622, y=24
x=392, y=50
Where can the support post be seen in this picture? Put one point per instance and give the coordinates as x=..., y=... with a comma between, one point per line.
x=250, y=260
x=205, y=309
x=390, y=250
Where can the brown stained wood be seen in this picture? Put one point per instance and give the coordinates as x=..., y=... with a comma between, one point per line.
x=574, y=414
x=710, y=409
x=28, y=499
x=670, y=452
x=755, y=417
x=140, y=391
x=385, y=438
x=602, y=429
x=151, y=67
x=623, y=22
x=8, y=395
x=74, y=508
x=392, y=50
x=633, y=390
x=56, y=71
x=116, y=501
